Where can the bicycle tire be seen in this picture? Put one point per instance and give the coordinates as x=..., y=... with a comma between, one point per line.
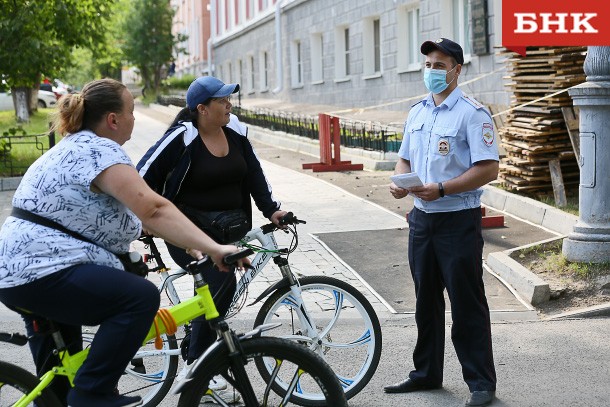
x=154, y=381
x=292, y=356
x=16, y=382
x=364, y=349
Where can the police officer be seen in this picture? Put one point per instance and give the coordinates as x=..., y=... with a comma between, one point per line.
x=449, y=141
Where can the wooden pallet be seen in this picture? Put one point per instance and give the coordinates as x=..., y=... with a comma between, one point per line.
x=540, y=139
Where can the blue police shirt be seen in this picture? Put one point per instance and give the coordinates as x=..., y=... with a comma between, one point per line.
x=442, y=142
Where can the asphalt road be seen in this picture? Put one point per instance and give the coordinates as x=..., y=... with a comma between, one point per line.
x=552, y=363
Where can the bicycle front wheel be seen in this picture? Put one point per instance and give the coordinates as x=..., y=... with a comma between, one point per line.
x=151, y=372
x=347, y=330
x=295, y=367
x=16, y=382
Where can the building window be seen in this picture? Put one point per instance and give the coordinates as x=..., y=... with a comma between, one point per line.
x=229, y=77
x=263, y=5
x=250, y=78
x=250, y=9
x=264, y=71
x=240, y=73
x=317, y=73
x=455, y=24
x=296, y=63
x=409, y=39
x=371, y=43
x=342, y=53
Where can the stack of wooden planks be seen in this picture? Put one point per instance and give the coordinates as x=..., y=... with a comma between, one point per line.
x=536, y=134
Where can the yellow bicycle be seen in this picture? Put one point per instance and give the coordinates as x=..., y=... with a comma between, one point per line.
x=300, y=369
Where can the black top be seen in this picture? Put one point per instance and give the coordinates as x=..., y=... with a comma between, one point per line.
x=213, y=183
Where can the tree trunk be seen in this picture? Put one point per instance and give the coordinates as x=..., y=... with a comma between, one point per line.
x=33, y=106
x=20, y=99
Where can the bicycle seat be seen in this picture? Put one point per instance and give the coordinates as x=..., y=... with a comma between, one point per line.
x=41, y=324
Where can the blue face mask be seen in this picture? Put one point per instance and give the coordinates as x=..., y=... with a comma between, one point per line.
x=436, y=79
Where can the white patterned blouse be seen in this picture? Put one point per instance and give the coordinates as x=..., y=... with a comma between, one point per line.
x=57, y=186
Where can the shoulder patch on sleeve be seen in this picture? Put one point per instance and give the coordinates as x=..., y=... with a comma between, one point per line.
x=472, y=102
x=487, y=134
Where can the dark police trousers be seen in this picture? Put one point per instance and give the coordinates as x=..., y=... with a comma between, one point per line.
x=445, y=251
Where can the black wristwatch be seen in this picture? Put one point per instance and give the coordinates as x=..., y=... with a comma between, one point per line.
x=441, y=190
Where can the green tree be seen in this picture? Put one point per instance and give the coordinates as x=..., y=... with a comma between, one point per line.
x=37, y=37
x=105, y=59
x=149, y=42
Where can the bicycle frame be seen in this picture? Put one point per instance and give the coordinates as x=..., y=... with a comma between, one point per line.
x=270, y=250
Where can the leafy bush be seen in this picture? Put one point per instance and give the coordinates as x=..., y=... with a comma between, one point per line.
x=180, y=83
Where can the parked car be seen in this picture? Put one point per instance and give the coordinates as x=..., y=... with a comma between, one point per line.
x=45, y=99
x=6, y=101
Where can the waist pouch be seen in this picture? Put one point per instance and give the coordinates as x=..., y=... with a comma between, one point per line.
x=222, y=226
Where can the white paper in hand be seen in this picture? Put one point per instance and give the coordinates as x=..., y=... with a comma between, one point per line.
x=408, y=180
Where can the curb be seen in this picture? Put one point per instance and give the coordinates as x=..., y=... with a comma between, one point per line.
x=529, y=209
x=530, y=287
x=601, y=310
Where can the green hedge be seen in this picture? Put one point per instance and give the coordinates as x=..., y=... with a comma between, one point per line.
x=180, y=83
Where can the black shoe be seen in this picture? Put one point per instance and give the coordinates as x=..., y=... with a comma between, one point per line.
x=409, y=385
x=480, y=398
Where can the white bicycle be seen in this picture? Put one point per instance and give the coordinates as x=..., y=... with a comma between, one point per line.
x=323, y=313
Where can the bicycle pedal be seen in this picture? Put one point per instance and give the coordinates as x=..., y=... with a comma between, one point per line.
x=138, y=365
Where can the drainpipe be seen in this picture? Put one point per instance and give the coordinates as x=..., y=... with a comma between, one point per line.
x=279, y=67
x=212, y=6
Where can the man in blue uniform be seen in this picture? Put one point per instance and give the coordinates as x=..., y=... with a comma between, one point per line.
x=449, y=141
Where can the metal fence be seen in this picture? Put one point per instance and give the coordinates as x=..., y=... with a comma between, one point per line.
x=354, y=133
x=357, y=134
x=17, y=152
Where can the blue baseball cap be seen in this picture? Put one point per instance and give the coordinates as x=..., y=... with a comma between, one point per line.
x=446, y=46
x=205, y=87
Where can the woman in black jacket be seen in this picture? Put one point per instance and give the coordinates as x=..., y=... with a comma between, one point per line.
x=205, y=167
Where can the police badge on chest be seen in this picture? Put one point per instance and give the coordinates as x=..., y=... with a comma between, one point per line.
x=443, y=146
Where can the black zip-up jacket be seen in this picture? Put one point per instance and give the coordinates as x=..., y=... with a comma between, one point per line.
x=165, y=165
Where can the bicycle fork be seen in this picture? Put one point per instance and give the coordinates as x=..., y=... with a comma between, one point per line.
x=237, y=362
x=296, y=298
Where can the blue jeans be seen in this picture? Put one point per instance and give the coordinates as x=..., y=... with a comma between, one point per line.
x=122, y=304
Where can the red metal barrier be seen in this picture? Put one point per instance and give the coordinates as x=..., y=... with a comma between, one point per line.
x=330, y=142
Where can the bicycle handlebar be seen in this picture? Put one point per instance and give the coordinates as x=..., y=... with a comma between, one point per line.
x=229, y=259
x=15, y=338
x=290, y=219
x=233, y=257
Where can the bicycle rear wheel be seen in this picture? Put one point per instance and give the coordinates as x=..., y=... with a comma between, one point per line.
x=151, y=372
x=348, y=330
x=296, y=367
x=16, y=382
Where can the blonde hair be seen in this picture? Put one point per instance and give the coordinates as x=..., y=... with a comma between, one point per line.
x=80, y=111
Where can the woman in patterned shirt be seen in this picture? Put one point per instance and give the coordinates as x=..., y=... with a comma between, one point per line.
x=88, y=184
